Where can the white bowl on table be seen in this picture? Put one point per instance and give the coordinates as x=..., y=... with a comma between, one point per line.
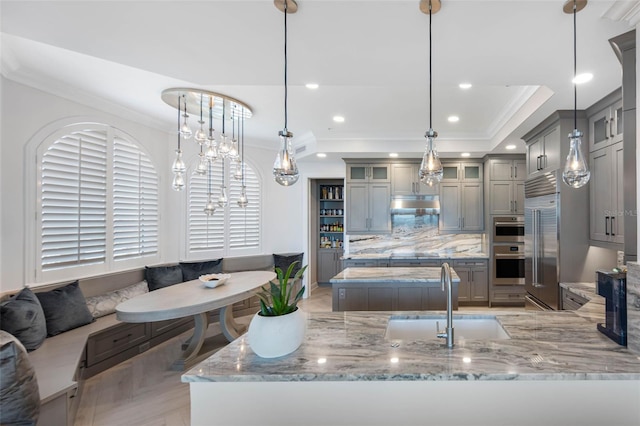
x=214, y=280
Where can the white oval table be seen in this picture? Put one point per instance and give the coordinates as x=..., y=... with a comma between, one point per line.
x=193, y=298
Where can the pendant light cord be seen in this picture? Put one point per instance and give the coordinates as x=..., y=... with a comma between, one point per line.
x=242, y=147
x=430, y=96
x=179, y=113
x=575, y=69
x=285, y=65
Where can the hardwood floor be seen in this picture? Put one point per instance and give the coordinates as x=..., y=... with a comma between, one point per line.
x=144, y=392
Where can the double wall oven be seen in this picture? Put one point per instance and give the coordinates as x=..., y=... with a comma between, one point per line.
x=507, y=251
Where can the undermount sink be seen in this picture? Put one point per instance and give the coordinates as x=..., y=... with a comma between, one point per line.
x=425, y=328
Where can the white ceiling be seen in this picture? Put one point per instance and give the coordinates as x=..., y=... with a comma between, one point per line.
x=370, y=59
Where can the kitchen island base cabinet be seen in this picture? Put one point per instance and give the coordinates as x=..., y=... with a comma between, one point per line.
x=391, y=296
x=494, y=402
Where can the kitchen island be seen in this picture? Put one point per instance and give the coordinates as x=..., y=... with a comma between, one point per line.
x=556, y=369
x=391, y=289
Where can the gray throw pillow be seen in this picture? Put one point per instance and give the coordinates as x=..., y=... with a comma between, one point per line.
x=19, y=394
x=22, y=316
x=162, y=276
x=192, y=270
x=65, y=308
x=283, y=261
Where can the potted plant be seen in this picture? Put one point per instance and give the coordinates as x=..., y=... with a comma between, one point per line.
x=278, y=328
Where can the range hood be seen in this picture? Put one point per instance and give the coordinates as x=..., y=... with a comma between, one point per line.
x=417, y=205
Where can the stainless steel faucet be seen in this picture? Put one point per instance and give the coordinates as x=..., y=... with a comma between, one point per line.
x=445, y=276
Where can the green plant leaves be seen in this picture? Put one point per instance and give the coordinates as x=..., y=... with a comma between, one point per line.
x=276, y=300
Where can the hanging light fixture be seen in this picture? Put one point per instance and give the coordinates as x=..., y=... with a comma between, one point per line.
x=192, y=101
x=243, y=201
x=576, y=173
x=431, y=168
x=285, y=170
x=178, y=167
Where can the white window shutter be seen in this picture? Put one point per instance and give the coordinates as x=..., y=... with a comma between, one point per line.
x=244, y=223
x=205, y=232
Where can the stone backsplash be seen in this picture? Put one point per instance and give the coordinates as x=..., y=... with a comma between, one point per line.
x=633, y=306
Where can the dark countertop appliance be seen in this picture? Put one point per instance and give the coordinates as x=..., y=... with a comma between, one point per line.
x=613, y=287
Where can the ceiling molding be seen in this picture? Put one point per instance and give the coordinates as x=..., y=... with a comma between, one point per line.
x=624, y=11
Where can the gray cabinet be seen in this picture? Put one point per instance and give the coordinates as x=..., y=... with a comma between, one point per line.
x=405, y=181
x=329, y=264
x=506, y=187
x=461, y=207
x=408, y=263
x=368, y=207
x=607, y=195
x=571, y=301
x=507, y=295
x=391, y=296
x=474, y=281
x=605, y=124
x=364, y=263
x=375, y=172
x=548, y=142
x=543, y=152
x=461, y=172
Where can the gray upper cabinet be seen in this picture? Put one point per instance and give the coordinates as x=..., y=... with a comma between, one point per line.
x=548, y=142
x=462, y=172
x=368, y=173
x=368, y=207
x=506, y=187
x=605, y=121
x=607, y=199
x=461, y=207
x=405, y=181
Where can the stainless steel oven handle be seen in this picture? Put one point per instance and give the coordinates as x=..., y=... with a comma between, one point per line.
x=509, y=224
x=515, y=255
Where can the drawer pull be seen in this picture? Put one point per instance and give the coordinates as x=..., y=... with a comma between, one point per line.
x=122, y=338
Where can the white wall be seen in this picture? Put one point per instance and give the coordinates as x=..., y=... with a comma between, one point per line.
x=28, y=113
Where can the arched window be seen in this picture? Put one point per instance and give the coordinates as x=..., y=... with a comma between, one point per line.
x=98, y=201
x=231, y=230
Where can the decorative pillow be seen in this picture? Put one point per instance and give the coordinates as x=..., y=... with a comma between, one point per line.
x=19, y=392
x=105, y=304
x=64, y=308
x=283, y=261
x=192, y=270
x=22, y=316
x=162, y=276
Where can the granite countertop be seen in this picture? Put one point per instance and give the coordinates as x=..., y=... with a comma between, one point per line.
x=411, y=274
x=350, y=346
x=436, y=255
x=594, y=309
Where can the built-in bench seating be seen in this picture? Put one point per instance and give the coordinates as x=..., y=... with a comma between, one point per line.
x=65, y=360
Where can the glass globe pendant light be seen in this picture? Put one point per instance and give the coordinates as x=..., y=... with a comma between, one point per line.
x=243, y=201
x=201, y=134
x=185, y=130
x=285, y=169
x=178, y=167
x=431, y=167
x=576, y=173
x=210, y=207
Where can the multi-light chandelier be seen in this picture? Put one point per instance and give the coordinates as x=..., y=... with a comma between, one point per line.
x=212, y=147
x=576, y=173
x=431, y=169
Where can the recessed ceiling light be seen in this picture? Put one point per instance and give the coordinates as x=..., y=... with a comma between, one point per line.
x=312, y=86
x=393, y=154
x=321, y=155
x=582, y=78
x=465, y=154
x=453, y=119
x=510, y=147
x=338, y=119
x=464, y=85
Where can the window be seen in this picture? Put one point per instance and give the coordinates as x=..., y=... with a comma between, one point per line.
x=98, y=201
x=231, y=230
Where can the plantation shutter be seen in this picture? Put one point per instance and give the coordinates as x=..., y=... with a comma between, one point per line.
x=244, y=223
x=73, y=200
x=205, y=232
x=135, y=202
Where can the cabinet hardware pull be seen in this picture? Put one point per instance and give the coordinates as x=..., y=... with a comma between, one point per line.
x=612, y=223
x=511, y=172
x=516, y=171
x=122, y=338
x=611, y=126
x=511, y=205
x=606, y=128
x=515, y=206
x=538, y=162
x=606, y=225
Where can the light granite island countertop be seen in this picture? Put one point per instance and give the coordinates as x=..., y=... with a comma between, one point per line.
x=556, y=369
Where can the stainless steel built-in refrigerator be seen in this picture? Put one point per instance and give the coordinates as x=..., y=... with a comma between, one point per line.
x=556, y=243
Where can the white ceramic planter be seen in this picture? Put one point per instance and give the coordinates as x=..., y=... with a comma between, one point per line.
x=271, y=337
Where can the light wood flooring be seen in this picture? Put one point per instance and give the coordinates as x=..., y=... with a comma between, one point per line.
x=144, y=392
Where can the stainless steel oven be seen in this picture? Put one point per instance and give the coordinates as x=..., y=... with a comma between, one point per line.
x=508, y=264
x=508, y=229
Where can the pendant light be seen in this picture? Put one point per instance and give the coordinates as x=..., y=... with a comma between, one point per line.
x=285, y=170
x=576, y=173
x=201, y=135
x=431, y=168
x=178, y=167
x=210, y=207
x=243, y=201
x=212, y=152
x=185, y=129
